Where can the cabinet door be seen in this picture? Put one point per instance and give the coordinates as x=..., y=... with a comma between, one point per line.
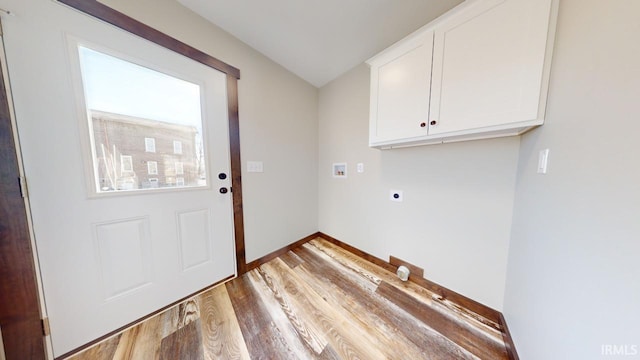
x=400, y=90
x=488, y=65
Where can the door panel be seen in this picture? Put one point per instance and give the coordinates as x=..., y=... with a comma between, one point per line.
x=194, y=229
x=109, y=260
x=124, y=248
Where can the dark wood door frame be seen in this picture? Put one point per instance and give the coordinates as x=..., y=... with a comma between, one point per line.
x=20, y=318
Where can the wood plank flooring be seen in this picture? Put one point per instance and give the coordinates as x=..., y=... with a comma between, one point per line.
x=317, y=301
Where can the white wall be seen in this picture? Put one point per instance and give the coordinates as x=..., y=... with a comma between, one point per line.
x=573, y=280
x=278, y=125
x=455, y=220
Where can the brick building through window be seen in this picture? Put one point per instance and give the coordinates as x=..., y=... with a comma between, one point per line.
x=148, y=148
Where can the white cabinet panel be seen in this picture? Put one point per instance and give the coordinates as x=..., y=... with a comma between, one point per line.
x=488, y=65
x=401, y=86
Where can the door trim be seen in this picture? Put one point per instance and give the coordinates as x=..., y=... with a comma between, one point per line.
x=118, y=19
x=20, y=316
x=236, y=173
x=127, y=23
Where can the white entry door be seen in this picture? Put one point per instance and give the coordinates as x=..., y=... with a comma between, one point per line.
x=124, y=146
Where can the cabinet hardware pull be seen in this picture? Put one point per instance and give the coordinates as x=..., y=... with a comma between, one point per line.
x=433, y=122
x=423, y=124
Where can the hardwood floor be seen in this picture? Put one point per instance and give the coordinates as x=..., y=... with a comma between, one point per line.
x=317, y=301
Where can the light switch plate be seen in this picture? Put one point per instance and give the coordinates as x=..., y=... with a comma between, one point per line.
x=255, y=166
x=543, y=159
x=360, y=167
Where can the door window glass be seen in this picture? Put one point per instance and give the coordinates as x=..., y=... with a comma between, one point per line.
x=153, y=118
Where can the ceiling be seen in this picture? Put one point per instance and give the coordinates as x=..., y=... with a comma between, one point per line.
x=322, y=39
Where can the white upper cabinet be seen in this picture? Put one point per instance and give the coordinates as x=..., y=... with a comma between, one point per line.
x=479, y=71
